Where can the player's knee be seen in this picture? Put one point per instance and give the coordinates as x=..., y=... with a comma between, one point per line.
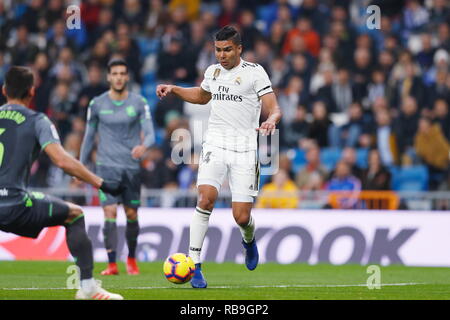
x=110, y=212
x=242, y=220
x=131, y=214
x=74, y=212
x=204, y=202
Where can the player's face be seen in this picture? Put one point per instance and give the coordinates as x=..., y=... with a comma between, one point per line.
x=227, y=53
x=118, y=78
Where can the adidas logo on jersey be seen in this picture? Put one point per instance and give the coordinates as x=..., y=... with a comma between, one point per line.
x=4, y=192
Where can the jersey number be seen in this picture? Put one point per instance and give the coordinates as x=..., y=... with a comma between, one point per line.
x=2, y=147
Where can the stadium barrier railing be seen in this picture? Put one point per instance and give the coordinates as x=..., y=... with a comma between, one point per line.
x=384, y=200
x=412, y=200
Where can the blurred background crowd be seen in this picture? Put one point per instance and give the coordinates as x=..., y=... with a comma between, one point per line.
x=363, y=109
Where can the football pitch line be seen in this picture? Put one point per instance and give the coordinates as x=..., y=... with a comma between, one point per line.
x=241, y=287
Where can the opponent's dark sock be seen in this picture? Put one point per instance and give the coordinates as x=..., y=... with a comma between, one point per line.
x=80, y=246
x=131, y=234
x=110, y=238
x=111, y=256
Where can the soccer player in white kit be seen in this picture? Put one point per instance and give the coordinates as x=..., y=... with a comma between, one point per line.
x=237, y=90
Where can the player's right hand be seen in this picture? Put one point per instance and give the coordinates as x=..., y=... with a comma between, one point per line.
x=113, y=188
x=163, y=90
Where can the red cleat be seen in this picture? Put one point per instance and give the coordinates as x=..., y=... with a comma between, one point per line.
x=110, y=270
x=132, y=267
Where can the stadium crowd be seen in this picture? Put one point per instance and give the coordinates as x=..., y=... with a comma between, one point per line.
x=360, y=106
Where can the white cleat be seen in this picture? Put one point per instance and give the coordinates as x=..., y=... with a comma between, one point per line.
x=97, y=294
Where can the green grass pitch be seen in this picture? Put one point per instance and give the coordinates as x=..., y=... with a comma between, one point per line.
x=228, y=281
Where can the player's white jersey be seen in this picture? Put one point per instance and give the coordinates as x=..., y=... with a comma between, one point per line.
x=235, y=104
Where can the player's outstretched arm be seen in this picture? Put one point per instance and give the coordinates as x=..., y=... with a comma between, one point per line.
x=270, y=106
x=75, y=168
x=88, y=144
x=194, y=95
x=89, y=136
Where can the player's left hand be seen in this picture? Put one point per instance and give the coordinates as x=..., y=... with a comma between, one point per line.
x=267, y=127
x=112, y=188
x=138, y=152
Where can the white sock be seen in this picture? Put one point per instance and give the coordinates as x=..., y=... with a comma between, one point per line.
x=88, y=285
x=248, y=232
x=197, y=233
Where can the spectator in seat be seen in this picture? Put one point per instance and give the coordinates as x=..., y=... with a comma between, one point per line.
x=410, y=85
x=441, y=116
x=278, y=70
x=434, y=150
x=290, y=98
x=175, y=65
x=326, y=92
x=187, y=176
x=320, y=125
x=229, y=13
x=443, y=36
x=377, y=87
x=384, y=138
x=313, y=175
x=91, y=89
x=348, y=134
x=376, y=176
x=361, y=72
x=342, y=90
x=62, y=109
x=281, y=193
x=425, y=56
x=23, y=50
x=303, y=30
x=248, y=29
x=439, y=89
x=349, y=157
x=405, y=129
x=155, y=172
x=343, y=180
x=298, y=129
x=277, y=36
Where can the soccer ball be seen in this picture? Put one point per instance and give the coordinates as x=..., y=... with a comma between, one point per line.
x=179, y=268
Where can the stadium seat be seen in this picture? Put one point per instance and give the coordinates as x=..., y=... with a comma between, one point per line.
x=264, y=12
x=330, y=156
x=263, y=179
x=149, y=77
x=362, y=158
x=413, y=178
x=298, y=160
x=159, y=136
x=148, y=91
x=147, y=46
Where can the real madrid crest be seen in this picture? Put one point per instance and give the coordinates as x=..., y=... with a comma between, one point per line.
x=216, y=73
x=238, y=80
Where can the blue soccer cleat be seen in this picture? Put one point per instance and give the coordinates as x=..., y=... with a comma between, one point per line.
x=198, y=281
x=251, y=254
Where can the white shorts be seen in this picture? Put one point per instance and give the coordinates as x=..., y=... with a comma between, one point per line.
x=242, y=169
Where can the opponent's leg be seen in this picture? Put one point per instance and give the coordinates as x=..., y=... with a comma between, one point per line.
x=207, y=196
x=131, y=235
x=80, y=248
x=110, y=239
x=78, y=242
